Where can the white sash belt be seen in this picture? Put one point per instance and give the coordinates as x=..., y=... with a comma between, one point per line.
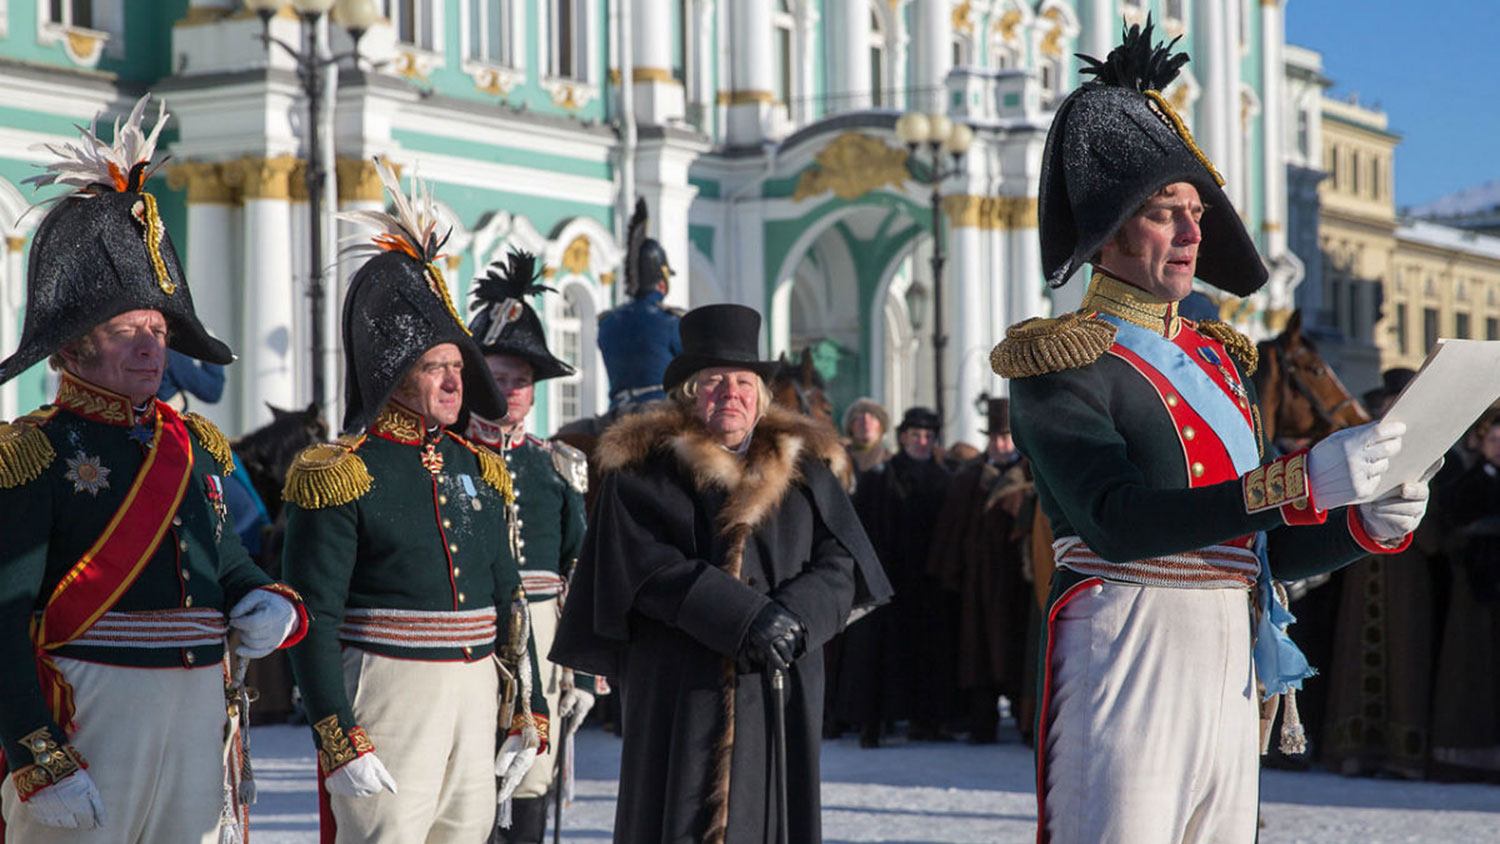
x=174, y=628
x=419, y=628
x=1214, y=567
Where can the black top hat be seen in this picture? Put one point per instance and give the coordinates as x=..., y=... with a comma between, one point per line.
x=102, y=251
x=506, y=324
x=1114, y=143
x=398, y=308
x=718, y=335
x=997, y=416
x=919, y=417
x=645, y=259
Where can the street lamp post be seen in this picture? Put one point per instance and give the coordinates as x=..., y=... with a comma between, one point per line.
x=945, y=142
x=356, y=16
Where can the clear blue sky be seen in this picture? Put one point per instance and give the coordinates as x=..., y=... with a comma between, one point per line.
x=1431, y=65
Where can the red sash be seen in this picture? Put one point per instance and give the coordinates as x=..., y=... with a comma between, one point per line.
x=95, y=583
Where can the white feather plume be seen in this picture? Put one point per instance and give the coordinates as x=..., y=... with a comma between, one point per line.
x=412, y=228
x=93, y=164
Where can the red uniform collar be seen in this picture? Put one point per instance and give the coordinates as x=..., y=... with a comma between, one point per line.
x=92, y=401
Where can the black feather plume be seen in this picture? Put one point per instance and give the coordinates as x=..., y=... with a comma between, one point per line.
x=1136, y=64
x=515, y=279
x=635, y=238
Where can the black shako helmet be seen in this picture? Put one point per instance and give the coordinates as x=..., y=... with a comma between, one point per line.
x=103, y=250
x=645, y=259
x=718, y=335
x=398, y=307
x=506, y=323
x=1115, y=142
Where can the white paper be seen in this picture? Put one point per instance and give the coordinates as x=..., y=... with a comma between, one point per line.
x=1455, y=386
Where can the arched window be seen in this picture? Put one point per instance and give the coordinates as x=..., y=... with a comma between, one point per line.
x=879, y=96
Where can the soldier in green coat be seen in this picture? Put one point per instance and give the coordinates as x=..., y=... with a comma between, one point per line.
x=549, y=478
x=398, y=535
x=121, y=572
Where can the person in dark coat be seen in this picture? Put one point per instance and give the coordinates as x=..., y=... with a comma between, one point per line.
x=721, y=549
x=976, y=557
x=900, y=665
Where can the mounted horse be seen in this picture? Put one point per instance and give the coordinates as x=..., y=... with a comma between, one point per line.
x=1300, y=396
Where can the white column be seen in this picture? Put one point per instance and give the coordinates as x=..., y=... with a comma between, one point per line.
x=969, y=335
x=658, y=94
x=1102, y=30
x=662, y=171
x=212, y=273
x=1274, y=109
x=851, y=84
x=1217, y=106
x=803, y=108
x=270, y=348
x=934, y=54
x=752, y=81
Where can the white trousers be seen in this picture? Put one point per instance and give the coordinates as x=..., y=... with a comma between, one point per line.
x=544, y=629
x=433, y=726
x=1152, y=724
x=154, y=741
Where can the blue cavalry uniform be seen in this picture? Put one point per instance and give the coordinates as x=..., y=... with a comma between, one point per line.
x=638, y=340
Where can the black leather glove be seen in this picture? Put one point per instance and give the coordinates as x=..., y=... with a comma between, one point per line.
x=776, y=638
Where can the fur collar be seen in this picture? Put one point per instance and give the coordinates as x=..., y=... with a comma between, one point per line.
x=755, y=482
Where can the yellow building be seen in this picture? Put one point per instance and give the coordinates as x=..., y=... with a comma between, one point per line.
x=1446, y=283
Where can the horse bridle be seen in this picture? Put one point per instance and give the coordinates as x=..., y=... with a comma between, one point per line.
x=1293, y=376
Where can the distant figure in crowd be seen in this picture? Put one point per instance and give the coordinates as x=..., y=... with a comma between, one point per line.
x=639, y=338
x=865, y=424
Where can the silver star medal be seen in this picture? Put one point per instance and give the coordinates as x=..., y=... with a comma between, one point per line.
x=86, y=474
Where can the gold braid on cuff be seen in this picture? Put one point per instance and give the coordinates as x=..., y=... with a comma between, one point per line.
x=51, y=762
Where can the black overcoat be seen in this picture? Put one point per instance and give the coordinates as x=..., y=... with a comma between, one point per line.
x=685, y=546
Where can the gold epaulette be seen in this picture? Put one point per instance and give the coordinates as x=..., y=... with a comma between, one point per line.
x=1234, y=342
x=25, y=451
x=212, y=439
x=327, y=475
x=492, y=470
x=1038, y=346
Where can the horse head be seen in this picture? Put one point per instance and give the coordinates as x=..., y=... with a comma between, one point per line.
x=269, y=450
x=1300, y=395
x=798, y=386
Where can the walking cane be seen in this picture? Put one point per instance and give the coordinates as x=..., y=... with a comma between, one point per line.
x=558, y=782
x=778, y=752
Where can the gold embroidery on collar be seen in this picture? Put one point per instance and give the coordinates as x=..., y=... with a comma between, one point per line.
x=397, y=423
x=85, y=399
x=1109, y=295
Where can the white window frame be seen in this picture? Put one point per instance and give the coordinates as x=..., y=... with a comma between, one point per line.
x=578, y=90
x=106, y=22
x=878, y=53
x=572, y=293
x=512, y=46
x=784, y=61
x=427, y=23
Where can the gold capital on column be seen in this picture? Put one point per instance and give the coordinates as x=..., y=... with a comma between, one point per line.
x=358, y=181
x=261, y=178
x=204, y=181
x=15, y=242
x=991, y=212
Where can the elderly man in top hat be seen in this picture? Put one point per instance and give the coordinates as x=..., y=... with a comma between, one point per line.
x=639, y=338
x=1147, y=451
x=549, y=479
x=398, y=536
x=121, y=571
x=721, y=550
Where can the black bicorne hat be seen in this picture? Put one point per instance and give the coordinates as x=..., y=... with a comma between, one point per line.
x=718, y=335
x=1114, y=143
x=398, y=307
x=103, y=250
x=645, y=259
x=506, y=324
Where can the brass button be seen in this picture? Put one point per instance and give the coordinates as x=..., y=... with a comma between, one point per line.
x=190, y=658
x=447, y=523
x=1171, y=400
x=468, y=651
x=442, y=499
x=188, y=601
x=452, y=548
x=460, y=597
x=182, y=544
x=457, y=571
x=176, y=521
x=1188, y=432
x=1197, y=470
x=187, y=575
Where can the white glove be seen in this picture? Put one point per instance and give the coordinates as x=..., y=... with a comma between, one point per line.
x=512, y=763
x=573, y=707
x=72, y=802
x=1346, y=466
x=1397, y=513
x=263, y=619
x=362, y=776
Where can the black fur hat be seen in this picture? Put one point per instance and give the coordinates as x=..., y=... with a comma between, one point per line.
x=506, y=324
x=1116, y=141
x=102, y=250
x=398, y=308
x=645, y=259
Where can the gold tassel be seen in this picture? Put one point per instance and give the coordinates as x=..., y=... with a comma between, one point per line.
x=492, y=470
x=327, y=475
x=1234, y=342
x=25, y=452
x=1038, y=346
x=212, y=439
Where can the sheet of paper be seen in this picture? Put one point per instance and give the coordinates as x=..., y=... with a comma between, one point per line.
x=1455, y=386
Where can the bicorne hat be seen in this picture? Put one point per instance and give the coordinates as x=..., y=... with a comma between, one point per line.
x=718, y=335
x=645, y=259
x=398, y=307
x=506, y=323
x=1114, y=143
x=102, y=250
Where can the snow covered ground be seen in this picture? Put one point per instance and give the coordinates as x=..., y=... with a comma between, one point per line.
x=943, y=794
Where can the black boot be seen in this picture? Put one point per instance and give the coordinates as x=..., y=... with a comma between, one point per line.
x=528, y=822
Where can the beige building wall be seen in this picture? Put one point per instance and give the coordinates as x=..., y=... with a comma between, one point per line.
x=1357, y=233
x=1445, y=283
